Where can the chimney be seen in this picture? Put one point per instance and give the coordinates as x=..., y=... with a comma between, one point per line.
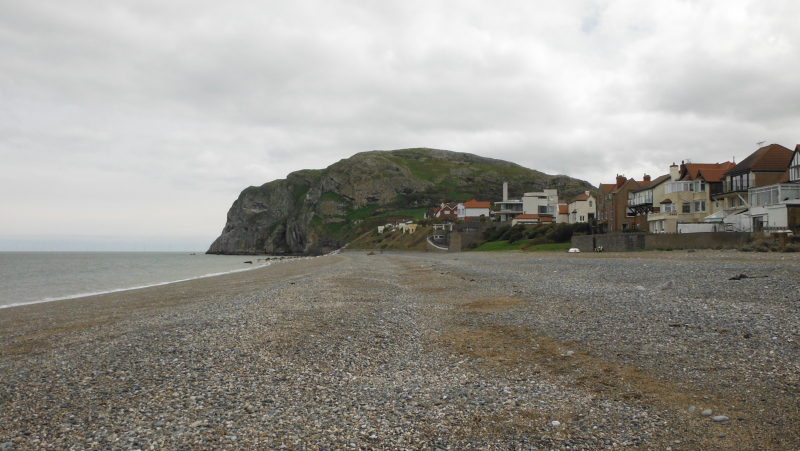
x=621, y=179
x=646, y=178
x=505, y=191
x=674, y=172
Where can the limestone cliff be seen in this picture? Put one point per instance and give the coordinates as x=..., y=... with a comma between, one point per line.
x=316, y=211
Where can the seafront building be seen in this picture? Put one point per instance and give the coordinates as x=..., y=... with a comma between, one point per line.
x=761, y=193
x=535, y=206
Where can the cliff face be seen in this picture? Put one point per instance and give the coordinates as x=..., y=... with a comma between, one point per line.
x=316, y=211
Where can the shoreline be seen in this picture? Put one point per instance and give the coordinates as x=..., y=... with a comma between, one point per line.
x=262, y=262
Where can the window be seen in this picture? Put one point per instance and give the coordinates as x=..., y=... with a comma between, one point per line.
x=590, y=202
x=542, y=209
x=582, y=219
x=674, y=187
x=699, y=205
x=686, y=207
x=669, y=208
x=794, y=174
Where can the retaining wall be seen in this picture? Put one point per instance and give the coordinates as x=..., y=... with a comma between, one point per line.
x=626, y=242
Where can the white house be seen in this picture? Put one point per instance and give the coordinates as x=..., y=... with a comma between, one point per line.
x=473, y=209
x=582, y=209
x=544, y=203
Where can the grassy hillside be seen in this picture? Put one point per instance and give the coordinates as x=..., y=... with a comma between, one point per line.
x=392, y=240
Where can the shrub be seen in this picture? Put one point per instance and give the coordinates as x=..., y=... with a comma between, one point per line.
x=631, y=230
x=746, y=248
x=495, y=234
x=581, y=227
x=791, y=247
x=515, y=233
x=560, y=233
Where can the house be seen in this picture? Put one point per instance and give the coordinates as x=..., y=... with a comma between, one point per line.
x=544, y=203
x=766, y=166
x=528, y=219
x=507, y=209
x=777, y=206
x=410, y=228
x=446, y=211
x=582, y=209
x=563, y=212
x=612, y=205
x=473, y=210
x=645, y=201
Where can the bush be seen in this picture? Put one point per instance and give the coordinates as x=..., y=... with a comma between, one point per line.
x=746, y=248
x=790, y=247
x=631, y=230
x=560, y=233
x=581, y=227
x=495, y=234
x=515, y=233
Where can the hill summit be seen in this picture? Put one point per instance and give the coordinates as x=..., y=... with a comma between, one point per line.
x=316, y=211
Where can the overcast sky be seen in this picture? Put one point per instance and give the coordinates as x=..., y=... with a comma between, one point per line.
x=141, y=121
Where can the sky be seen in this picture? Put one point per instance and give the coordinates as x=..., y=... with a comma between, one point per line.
x=135, y=125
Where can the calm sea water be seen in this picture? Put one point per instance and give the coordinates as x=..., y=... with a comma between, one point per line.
x=30, y=277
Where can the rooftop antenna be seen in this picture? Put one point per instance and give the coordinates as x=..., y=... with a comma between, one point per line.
x=760, y=143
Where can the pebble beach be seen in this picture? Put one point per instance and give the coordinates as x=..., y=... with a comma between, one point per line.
x=413, y=350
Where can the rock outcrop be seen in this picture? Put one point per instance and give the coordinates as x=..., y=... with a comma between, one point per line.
x=316, y=211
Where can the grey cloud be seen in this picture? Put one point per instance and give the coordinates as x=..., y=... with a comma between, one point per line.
x=162, y=106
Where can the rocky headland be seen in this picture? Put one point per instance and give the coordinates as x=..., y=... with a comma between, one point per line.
x=317, y=211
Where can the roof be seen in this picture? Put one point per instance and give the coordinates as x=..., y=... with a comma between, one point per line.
x=653, y=183
x=712, y=175
x=692, y=171
x=625, y=186
x=606, y=188
x=771, y=158
x=563, y=209
x=472, y=203
x=583, y=196
x=665, y=201
x=527, y=216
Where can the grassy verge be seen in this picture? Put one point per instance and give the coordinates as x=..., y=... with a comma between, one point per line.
x=501, y=245
x=553, y=247
x=521, y=245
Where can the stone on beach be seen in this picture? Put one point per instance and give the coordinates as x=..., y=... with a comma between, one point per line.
x=401, y=351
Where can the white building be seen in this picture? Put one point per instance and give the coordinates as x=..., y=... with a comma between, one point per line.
x=582, y=209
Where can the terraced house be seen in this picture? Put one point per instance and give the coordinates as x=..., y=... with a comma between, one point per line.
x=682, y=200
x=766, y=166
x=613, y=214
x=777, y=206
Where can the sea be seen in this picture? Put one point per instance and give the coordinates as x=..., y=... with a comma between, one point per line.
x=33, y=277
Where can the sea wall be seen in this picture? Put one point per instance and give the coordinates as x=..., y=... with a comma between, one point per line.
x=627, y=242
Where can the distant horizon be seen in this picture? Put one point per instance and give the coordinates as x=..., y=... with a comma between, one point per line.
x=47, y=243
